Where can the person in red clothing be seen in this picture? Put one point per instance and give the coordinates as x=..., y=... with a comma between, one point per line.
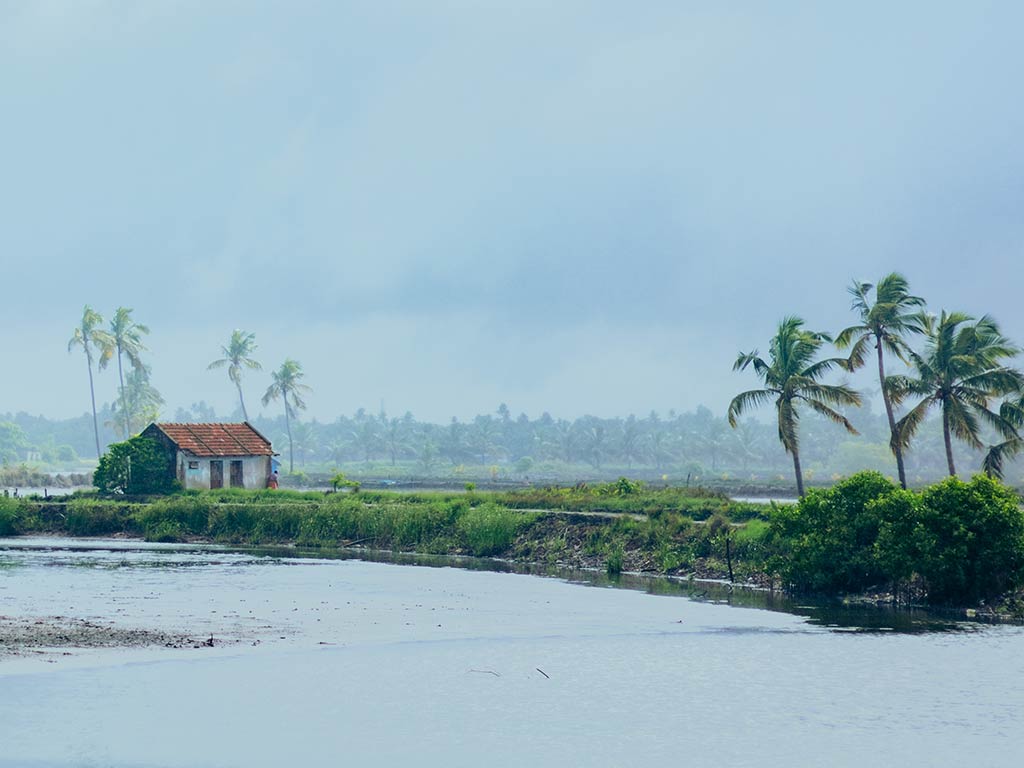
x=272, y=481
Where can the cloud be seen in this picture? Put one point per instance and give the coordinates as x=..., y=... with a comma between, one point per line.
x=573, y=207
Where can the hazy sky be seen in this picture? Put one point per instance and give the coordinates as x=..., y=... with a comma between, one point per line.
x=580, y=207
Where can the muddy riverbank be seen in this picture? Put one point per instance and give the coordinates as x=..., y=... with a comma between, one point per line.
x=53, y=636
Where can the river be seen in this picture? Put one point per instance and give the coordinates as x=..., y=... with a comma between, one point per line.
x=354, y=662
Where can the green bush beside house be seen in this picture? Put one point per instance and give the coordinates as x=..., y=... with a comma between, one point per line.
x=138, y=466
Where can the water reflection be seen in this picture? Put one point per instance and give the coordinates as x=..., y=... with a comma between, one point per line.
x=831, y=614
x=824, y=613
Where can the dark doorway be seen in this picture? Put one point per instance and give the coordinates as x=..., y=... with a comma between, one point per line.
x=216, y=474
x=236, y=474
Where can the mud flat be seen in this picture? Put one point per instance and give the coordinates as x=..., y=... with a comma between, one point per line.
x=61, y=635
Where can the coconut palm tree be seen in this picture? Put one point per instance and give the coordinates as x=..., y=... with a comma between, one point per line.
x=238, y=355
x=288, y=387
x=961, y=371
x=791, y=376
x=142, y=401
x=92, y=339
x=125, y=340
x=894, y=314
x=1012, y=411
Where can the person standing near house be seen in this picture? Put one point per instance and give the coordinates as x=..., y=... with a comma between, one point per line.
x=272, y=482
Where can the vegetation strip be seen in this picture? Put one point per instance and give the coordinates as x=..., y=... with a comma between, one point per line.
x=954, y=543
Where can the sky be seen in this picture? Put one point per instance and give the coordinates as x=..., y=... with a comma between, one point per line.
x=577, y=207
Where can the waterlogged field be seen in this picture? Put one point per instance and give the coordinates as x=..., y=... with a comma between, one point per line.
x=348, y=661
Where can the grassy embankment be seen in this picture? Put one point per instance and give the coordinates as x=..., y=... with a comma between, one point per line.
x=618, y=526
x=954, y=543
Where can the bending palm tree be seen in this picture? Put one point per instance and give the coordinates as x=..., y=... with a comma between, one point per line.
x=286, y=386
x=885, y=323
x=960, y=371
x=125, y=339
x=236, y=357
x=791, y=376
x=1011, y=411
x=89, y=335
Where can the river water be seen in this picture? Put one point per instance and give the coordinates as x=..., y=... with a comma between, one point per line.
x=353, y=662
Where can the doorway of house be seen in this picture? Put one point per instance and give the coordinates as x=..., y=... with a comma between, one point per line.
x=216, y=474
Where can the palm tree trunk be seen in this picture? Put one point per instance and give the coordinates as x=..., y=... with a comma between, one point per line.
x=291, y=450
x=949, y=443
x=799, y=473
x=92, y=395
x=124, y=403
x=894, y=443
x=241, y=400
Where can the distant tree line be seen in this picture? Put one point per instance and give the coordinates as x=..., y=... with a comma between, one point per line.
x=954, y=401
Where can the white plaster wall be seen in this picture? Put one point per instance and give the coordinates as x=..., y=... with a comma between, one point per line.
x=255, y=470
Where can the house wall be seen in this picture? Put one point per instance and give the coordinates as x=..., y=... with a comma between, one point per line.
x=255, y=470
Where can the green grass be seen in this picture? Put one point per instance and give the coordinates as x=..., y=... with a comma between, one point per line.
x=99, y=517
x=489, y=529
x=13, y=516
x=666, y=529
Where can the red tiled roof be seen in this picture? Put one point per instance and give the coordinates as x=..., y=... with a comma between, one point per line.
x=217, y=439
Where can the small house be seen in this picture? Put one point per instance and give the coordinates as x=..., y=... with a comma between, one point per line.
x=216, y=455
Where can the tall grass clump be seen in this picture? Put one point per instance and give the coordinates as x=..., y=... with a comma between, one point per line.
x=12, y=516
x=99, y=517
x=255, y=523
x=176, y=517
x=614, y=561
x=489, y=530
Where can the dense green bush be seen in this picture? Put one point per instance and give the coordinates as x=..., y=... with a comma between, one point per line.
x=956, y=541
x=827, y=539
x=140, y=465
x=965, y=541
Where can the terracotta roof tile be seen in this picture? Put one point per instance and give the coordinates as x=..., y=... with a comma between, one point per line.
x=217, y=439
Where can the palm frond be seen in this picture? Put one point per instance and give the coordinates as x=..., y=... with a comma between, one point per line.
x=996, y=456
x=747, y=400
x=907, y=427
x=820, y=408
x=963, y=423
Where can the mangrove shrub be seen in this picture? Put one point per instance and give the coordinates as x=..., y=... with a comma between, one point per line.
x=965, y=541
x=956, y=541
x=827, y=539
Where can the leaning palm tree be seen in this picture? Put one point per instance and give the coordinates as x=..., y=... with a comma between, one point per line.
x=288, y=387
x=961, y=371
x=791, y=376
x=884, y=324
x=1012, y=412
x=125, y=340
x=91, y=337
x=237, y=355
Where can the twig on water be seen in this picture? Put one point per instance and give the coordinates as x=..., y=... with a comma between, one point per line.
x=543, y=672
x=486, y=672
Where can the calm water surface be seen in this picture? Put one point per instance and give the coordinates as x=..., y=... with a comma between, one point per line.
x=352, y=662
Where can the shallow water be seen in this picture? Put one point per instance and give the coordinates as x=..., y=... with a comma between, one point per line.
x=345, y=661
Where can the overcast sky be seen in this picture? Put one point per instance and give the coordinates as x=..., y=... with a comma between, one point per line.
x=580, y=207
